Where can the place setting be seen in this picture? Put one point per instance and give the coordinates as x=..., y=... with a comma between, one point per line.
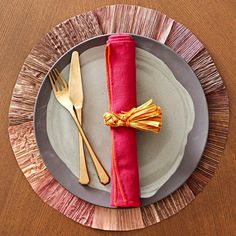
x=120, y=123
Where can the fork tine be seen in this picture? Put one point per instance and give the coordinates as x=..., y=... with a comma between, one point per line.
x=56, y=82
x=53, y=83
x=60, y=78
x=59, y=83
x=53, y=78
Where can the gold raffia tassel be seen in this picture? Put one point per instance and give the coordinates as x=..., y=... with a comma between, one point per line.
x=147, y=117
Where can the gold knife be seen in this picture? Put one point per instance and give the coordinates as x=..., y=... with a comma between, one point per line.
x=76, y=96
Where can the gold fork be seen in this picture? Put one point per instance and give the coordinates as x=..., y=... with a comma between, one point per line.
x=61, y=92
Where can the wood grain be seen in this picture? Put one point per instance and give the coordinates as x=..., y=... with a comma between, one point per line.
x=107, y=20
x=206, y=224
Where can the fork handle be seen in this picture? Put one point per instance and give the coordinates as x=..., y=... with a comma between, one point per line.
x=101, y=172
x=83, y=173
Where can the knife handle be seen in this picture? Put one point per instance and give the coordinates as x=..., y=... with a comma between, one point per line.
x=101, y=172
x=83, y=173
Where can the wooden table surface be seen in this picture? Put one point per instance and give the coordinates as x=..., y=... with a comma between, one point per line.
x=22, y=24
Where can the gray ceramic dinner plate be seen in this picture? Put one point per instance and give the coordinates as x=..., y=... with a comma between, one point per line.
x=49, y=117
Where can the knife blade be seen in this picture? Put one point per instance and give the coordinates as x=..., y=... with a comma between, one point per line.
x=76, y=96
x=75, y=82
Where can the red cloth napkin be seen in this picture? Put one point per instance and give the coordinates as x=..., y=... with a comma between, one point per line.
x=121, y=84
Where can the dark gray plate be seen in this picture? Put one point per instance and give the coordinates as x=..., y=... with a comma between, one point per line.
x=196, y=139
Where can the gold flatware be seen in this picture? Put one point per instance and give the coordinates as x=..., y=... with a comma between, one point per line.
x=76, y=97
x=61, y=92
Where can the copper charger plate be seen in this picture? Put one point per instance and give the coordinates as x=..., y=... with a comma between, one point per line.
x=66, y=35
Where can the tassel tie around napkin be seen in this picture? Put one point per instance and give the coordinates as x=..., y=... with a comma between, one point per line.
x=147, y=117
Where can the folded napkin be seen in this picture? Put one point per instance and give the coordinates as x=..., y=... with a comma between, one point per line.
x=121, y=85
